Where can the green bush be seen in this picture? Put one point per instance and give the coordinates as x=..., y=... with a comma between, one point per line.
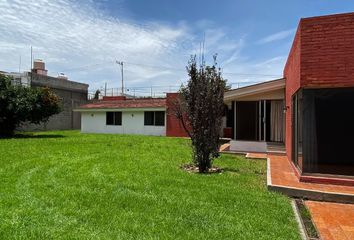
x=23, y=104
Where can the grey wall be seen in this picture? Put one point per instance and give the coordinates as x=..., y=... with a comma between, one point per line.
x=72, y=94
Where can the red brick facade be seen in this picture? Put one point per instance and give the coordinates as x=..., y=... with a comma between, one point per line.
x=174, y=127
x=292, y=83
x=327, y=51
x=322, y=55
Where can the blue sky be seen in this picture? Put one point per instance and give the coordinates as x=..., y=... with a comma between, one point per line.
x=154, y=38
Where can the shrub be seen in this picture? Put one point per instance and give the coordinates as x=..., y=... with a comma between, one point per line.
x=20, y=104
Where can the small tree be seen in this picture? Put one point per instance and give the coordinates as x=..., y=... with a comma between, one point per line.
x=201, y=105
x=20, y=104
x=97, y=94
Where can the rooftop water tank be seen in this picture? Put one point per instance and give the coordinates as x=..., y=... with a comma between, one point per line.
x=38, y=64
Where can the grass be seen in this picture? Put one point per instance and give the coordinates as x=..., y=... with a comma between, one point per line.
x=306, y=220
x=67, y=185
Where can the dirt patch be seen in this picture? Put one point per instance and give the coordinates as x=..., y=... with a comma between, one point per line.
x=191, y=168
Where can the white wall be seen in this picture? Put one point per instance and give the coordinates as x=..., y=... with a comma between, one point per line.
x=132, y=123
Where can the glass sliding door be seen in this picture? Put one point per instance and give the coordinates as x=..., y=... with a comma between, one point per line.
x=247, y=126
x=328, y=130
x=297, y=129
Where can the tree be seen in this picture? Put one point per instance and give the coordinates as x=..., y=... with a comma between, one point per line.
x=201, y=106
x=97, y=94
x=20, y=104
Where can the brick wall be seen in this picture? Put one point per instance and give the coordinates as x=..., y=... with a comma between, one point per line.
x=292, y=83
x=322, y=55
x=327, y=51
x=174, y=127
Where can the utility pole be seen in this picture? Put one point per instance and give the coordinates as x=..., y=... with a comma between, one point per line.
x=31, y=59
x=203, y=61
x=19, y=66
x=31, y=65
x=105, y=88
x=121, y=68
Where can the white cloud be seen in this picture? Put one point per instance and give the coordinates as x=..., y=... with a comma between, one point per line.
x=68, y=35
x=73, y=37
x=276, y=36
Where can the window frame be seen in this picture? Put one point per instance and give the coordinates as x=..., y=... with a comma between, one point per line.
x=116, y=118
x=154, y=122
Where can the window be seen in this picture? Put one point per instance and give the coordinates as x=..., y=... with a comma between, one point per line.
x=113, y=118
x=148, y=118
x=160, y=118
x=154, y=118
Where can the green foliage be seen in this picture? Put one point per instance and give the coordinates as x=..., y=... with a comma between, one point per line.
x=20, y=104
x=203, y=100
x=97, y=94
x=68, y=185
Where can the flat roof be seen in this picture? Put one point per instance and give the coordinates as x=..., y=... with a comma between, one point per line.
x=258, y=88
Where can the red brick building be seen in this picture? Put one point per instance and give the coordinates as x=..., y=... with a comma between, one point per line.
x=310, y=110
x=319, y=96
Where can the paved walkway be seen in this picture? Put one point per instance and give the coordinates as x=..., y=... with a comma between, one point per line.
x=282, y=174
x=333, y=220
x=224, y=147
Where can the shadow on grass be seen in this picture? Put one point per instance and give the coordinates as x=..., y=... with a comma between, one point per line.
x=228, y=169
x=32, y=136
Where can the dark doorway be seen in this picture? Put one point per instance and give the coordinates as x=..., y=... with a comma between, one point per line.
x=327, y=130
x=247, y=120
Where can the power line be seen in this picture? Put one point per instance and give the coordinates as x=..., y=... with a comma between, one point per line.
x=91, y=66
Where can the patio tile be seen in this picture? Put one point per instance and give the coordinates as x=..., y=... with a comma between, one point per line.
x=332, y=220
x=282, y=174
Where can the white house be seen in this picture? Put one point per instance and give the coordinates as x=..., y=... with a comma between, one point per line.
x=124, y=116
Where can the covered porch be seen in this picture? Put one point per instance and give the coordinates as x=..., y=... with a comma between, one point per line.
x=256, y=117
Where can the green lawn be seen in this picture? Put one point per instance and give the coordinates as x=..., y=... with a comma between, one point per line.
x=67, y=185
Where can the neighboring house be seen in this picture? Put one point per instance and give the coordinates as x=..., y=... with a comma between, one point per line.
x=124, y=116
x=315, y=100
x=117, y=114
x=72, y=94
x=19, y=78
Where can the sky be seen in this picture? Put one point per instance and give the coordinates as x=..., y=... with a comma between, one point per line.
x=154, y=39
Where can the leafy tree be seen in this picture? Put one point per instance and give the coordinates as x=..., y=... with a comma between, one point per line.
x=97, y=94
x=20, y=104
x=200, y=108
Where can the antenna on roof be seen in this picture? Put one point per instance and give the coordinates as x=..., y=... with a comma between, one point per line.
x=200, y=54
x=203, y=61
x=121, y=68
